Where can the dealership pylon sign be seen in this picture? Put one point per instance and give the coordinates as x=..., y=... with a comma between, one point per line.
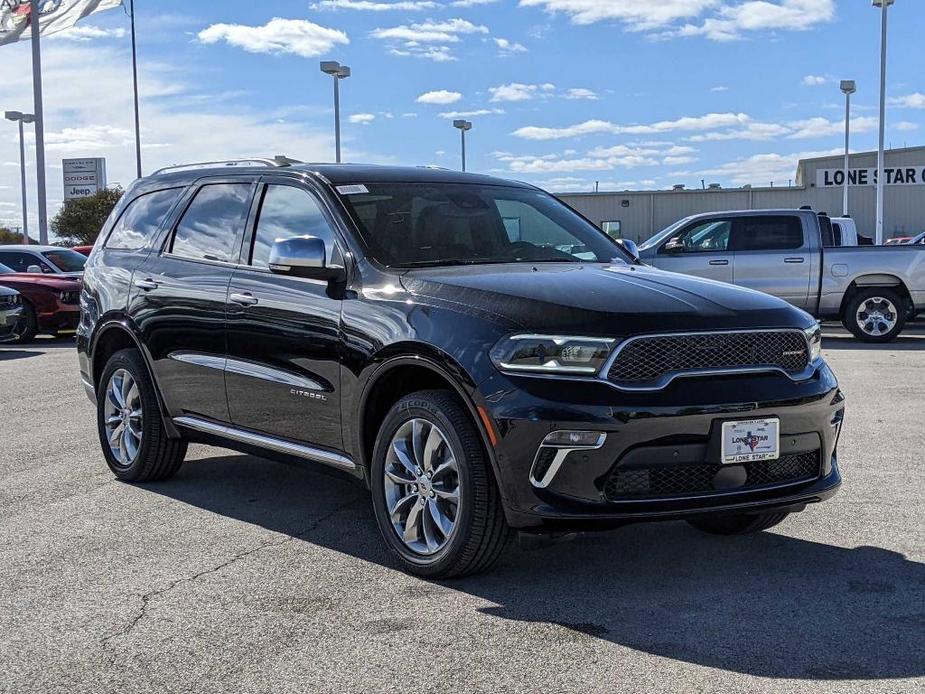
x=54, y=15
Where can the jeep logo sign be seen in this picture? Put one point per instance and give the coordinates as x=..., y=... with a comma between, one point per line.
x=895, y=176
x=83, y=177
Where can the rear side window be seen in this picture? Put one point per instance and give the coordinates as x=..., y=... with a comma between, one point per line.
x=141, y=220
x=771, y=233
x=213, y=224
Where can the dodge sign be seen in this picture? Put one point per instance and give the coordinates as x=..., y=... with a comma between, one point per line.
x=83, y=177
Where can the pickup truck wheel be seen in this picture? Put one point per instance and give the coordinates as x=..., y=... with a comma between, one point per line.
x=737, y=525
x=27, y=325
x=132, y=435
x=434, y=495
x=875, y=315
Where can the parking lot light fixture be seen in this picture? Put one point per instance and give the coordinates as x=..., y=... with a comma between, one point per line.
x=22, y=118
x=848, y=88
x=882, y=5
x=462, y=126
x=338, y=72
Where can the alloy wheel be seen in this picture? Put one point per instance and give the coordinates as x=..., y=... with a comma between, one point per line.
x=421, y=484
x=876, y=316
x=123, y=417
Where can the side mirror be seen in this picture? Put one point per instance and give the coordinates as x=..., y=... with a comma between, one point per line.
x=34, y=269
x=674, y=245
x=630, y=247
x=303, y=256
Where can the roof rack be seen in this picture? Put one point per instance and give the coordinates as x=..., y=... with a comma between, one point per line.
x=278, y=161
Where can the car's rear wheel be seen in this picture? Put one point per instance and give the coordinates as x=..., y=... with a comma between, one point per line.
x=132, y=434
x=877, y=314
x=737, y=525
x=434, y=495
x=27, y=325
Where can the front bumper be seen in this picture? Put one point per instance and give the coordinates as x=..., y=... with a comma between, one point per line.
x=64, y=317
x=8, y=320
x=670, y=430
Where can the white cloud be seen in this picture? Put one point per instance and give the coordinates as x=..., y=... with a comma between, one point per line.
x=471, y=3
x=471, y=114
x=636, y=15
x=297, y=36
x=88, y=32
x=362, y=118
x=761, y=169
x=505, y=46
x=822, y=127
x=906, y=126
x=591, y=127
x=427, y=39
x=622, y=156
x=515, y=91
x=914, y=100
x=580, y=93
x=439, y=54
x=719, y=88
x=814, y=80
x=368, y=6
x=731, y=22
x=439, y=96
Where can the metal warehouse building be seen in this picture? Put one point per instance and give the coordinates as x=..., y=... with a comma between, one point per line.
x=639, y=214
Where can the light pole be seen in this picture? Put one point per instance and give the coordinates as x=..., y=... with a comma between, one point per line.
x=22, y=118
x=883, y=5
x=338, y=72
x=848, y=88
x=463, y=126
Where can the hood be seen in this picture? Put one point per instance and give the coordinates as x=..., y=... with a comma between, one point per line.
x=613, y=300
x=59, y=282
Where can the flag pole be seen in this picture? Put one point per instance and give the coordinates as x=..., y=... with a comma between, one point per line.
x=39, y=124
x=135, y=84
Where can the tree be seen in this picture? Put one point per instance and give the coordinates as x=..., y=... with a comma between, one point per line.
x=8, y=236
x=79, y=222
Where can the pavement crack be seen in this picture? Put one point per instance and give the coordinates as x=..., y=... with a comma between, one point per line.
x=148, y=597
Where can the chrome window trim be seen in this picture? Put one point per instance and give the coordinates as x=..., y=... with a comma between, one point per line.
x=272, y=443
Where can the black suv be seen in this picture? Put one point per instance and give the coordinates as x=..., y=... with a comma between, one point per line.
x=482, y=356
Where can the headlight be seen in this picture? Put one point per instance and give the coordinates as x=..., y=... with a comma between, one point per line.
x=553, y=354
x=814, y=338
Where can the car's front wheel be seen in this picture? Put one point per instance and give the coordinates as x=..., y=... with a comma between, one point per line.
x=434, y=495
x=132, y=434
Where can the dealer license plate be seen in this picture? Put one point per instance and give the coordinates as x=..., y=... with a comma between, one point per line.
x=751, y=439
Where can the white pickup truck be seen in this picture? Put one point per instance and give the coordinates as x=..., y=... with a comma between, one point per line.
x=793, y=254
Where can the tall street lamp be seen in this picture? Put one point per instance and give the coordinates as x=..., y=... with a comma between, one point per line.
x=848, y=88
x=338, y=72
x=463, y=126
x=883, y=5
x=22, y=118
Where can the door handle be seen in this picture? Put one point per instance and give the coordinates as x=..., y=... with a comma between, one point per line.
x=147, y=284
x=794, y=260
x=243, y=299
x=719, y=262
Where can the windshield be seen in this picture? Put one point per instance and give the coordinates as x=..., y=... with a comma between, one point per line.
x=663, y=235
x=411, y=225
x=4, y=270
x=66, y=260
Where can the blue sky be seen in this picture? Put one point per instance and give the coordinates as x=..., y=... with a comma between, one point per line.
x=562, y=93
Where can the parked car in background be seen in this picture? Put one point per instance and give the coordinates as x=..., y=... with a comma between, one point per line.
x=920, y=239
x=792, y=254
x=480, y=355
x=83, y=250
x=10, y=311
x=897, y=240
x=50, y=303
x=47, y=260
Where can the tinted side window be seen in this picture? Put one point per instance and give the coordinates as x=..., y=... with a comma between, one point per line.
x=213, y=224
x=20, y=262
x=141, y=220
x=286, y=212
x=706, y=236
x=769, y=234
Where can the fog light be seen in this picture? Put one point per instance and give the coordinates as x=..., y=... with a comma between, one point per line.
x=575, y=439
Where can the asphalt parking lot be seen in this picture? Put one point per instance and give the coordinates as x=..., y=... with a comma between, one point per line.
x=250, y=576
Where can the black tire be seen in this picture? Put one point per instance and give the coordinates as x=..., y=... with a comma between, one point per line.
x=851, y=309
x=158, y=457
x=27, y=326
x=737, y=525
x=481, y=530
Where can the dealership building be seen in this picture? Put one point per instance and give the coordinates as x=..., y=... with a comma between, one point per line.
x=819, y=183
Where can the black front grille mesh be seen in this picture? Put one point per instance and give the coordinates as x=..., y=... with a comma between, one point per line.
x=684, y=480
x=648, y=361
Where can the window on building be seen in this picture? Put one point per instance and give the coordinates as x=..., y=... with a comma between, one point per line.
x=612, y=229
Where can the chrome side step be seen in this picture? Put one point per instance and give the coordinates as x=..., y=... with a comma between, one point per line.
x=227, y=431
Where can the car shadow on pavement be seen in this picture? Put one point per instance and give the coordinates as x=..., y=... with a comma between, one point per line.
x=768, y=605
x=903, y=343
x=14, y=350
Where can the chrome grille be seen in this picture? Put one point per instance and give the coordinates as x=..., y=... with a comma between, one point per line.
x=652, y=361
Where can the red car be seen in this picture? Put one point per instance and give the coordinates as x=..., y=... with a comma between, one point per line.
x=51, y=303
x=84, y=250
